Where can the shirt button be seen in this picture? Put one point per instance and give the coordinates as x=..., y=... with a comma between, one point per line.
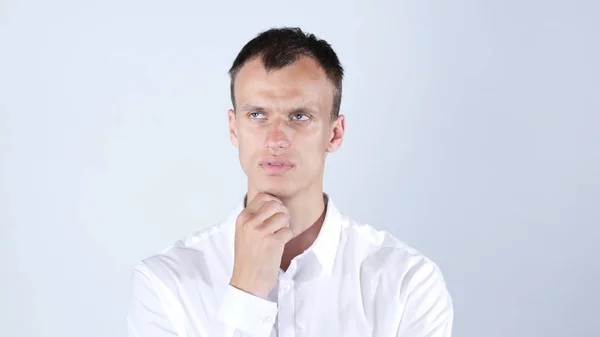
x=267, y=320
x=286, y=287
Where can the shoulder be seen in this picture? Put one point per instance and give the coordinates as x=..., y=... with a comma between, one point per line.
x=409, y=285
x=187, y=256
x=385, y=258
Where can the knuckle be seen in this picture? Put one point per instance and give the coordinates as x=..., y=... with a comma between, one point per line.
x=244, y=217
x=247, y=220
x=240, y=221
x=251, y=220
x=280, y=217
x=271, y=207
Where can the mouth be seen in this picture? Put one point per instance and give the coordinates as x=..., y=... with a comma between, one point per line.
x=276, y=166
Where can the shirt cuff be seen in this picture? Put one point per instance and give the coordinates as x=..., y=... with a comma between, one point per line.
x=246, y=312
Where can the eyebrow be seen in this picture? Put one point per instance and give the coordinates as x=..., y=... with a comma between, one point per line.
x=295, y=110
x=250, y=107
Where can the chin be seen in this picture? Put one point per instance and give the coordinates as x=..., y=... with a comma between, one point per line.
x=279, y=188
x=278, y=191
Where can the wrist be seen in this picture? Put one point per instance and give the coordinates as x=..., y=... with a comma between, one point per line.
x=252, y=290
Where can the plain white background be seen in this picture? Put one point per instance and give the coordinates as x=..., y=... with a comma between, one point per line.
x=472, y=135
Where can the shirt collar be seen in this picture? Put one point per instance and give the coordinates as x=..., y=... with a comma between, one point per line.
x=325, y=246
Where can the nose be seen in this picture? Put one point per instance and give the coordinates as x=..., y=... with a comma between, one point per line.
x=277, y=139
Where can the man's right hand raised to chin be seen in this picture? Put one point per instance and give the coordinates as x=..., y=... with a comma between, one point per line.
x=262, y=230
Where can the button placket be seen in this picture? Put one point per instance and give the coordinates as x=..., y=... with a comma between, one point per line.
x=285, y=316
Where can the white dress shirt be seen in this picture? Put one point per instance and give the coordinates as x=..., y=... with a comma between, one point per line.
x=353, y=281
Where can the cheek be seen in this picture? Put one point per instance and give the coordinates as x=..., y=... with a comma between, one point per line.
x=249, y=145
x=313, y=150
x=250, y=134
x=322, y=141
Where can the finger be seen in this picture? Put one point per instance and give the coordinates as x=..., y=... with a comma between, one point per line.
x=274, y=223
x=282, y=236
x=267, y=210
x=253, y=207
x=255, y=204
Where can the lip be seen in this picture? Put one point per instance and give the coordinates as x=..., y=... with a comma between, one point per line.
x=283, y=166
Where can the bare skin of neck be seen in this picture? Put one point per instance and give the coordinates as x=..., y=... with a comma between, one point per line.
x=306, y=226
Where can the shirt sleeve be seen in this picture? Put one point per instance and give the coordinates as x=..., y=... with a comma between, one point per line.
x=429, y=310
x=146, y=316
x=248, y=313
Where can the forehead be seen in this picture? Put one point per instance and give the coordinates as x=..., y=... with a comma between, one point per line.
x=302, y=83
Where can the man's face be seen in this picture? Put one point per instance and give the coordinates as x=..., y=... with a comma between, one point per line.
x=282, y=126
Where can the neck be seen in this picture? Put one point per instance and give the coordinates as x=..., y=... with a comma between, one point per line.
x=307, y=213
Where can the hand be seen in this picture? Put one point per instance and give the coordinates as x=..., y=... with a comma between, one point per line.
x=262, y=230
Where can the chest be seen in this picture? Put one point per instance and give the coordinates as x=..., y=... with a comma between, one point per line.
x=327, y=307
x=321, y=306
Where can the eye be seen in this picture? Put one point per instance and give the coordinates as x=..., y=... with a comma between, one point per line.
x=300, y=117
x=256, y=115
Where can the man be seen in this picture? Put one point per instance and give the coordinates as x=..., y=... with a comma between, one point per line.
x=286, y=262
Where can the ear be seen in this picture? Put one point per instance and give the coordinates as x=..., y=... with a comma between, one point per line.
x=232, y=128
x=338, y=127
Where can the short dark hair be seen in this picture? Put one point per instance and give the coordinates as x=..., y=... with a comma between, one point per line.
x=281, y=47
